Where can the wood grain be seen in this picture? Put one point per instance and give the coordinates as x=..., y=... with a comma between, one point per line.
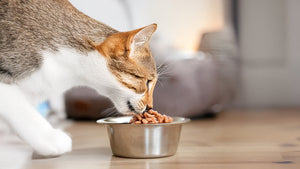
x=233, y=140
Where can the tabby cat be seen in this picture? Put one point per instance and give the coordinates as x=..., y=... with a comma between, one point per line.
x=47, y=47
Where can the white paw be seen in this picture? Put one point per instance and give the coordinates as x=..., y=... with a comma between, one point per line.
x=53, y=143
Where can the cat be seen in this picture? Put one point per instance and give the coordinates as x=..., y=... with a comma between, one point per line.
x=48, y=47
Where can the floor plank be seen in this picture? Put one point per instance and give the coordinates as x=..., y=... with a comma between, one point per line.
x=235, y=139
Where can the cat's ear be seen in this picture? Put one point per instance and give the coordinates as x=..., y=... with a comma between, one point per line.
x=141, y=36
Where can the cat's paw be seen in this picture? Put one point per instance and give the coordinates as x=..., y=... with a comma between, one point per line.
x=53, y=143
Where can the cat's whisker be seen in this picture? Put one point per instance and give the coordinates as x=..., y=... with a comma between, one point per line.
x=159, y=82
x=109, y=112
x=164, y=76
x=159, y=67
x=165, y=73
x=162, y=68
x=114, y=114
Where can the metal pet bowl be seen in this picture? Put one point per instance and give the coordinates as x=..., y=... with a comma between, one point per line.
x=143, y=140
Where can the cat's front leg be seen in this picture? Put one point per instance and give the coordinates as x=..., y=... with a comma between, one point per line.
x=30, y=125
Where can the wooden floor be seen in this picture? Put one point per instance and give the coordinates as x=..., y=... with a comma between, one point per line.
x=233, y=140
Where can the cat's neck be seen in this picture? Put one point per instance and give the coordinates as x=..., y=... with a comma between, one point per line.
x=65, y=69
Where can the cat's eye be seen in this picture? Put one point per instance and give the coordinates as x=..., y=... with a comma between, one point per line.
x=136, y=76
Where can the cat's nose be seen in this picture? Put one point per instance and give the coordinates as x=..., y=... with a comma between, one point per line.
x=148, y=107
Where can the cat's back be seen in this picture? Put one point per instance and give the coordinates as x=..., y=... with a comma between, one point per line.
x=28, y=27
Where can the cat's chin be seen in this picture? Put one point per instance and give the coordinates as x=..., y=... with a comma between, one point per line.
x=128, y=110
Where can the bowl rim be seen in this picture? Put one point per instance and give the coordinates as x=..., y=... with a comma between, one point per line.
x=180, y=120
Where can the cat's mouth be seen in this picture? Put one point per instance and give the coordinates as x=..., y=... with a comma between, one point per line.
x=136, y=110
x=130, y=107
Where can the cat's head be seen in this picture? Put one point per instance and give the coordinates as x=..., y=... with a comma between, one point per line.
x=131, y=64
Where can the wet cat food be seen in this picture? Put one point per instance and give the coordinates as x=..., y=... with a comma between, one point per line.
x=150, y=117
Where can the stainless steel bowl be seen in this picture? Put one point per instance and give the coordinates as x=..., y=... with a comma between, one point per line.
x=143, y=140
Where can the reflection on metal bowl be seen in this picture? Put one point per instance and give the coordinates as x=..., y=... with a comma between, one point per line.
x=143, y=140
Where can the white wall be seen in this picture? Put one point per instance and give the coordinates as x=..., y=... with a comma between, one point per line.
x=182, y=22
x=270, y=51
x=110, y=12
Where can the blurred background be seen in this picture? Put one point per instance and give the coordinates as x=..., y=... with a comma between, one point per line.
x=214, y=54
